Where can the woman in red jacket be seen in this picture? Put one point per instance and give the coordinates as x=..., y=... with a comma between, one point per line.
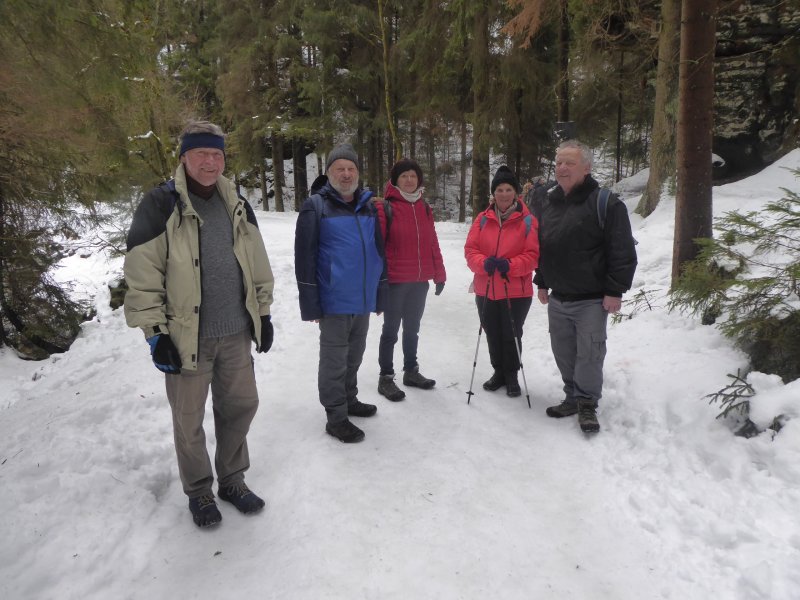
x=502, y=250
x=413, y=258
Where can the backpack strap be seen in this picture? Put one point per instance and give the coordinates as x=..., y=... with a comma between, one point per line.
x=387, y=211
x=602, y=206
x=527, y=219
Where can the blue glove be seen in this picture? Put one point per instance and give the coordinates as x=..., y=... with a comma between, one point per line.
x=439, y=287
x=165, y=355
x=502, y=265
x=490, y=264
x=267, y=334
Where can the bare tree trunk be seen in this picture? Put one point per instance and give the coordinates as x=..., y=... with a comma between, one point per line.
x=413, y=141
x=300, y=172
x=620, y=80
x=481, y=117
x=431, y=148
x=262, y=177
x=662, y=149
x=387, y=95
x=562, y=91
x=462, y=185
x=693, y=204
x=277, y=171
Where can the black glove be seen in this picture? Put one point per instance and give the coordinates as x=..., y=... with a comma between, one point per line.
x=489, y=265
x=165, y=355
x=267, y=334
x=502, y=265
x=439, y=287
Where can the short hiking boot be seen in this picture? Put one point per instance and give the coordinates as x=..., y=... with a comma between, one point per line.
x=388, y=388
x=241, y=497
x=587, y=417
x=512, y=385
x=204, y=511
x=495, y=382
x=360, y=409
x=413, y=378
x=345, y=431
x=565, y=409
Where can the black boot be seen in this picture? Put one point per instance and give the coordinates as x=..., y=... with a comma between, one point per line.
x=565, y=409
x=413, y=378
x=387, y=387
x=204, y=511
x=495, y=382
x=587, y=416
x=345, y=431
x=512, y=385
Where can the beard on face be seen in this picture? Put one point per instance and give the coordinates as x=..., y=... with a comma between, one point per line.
x=345, y=190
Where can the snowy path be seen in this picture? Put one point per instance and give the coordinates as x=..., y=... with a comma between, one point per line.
x=442, y=500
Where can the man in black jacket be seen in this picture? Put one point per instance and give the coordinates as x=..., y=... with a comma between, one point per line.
x=587, y=261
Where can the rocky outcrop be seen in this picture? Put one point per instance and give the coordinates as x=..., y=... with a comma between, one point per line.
x=757, y=79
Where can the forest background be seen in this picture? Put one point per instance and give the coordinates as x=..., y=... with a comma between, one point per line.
x=93, y=95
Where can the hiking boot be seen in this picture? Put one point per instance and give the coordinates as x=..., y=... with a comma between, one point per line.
x=512, y=385
x=413, y=378
x=587, y=417
x=359, y=409
x=204, y=511
x=241, y=497
x=388, y=388
x=495, y=382
x=565, y=409
x=345, y=431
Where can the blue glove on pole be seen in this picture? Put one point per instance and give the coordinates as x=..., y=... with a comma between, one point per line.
x=165, y=355
x=490, y=264
x=267, y=334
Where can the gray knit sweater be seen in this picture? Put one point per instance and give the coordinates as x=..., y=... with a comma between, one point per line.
x=222, y=309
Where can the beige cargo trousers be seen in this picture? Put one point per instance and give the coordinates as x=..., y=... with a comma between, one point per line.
x=226, y=366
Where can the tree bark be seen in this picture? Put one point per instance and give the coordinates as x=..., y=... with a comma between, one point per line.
x=693, y=203
x=662, y=149
x=462, y=184
x=277, y=171
x=480, y=115
x=562, y=90
x=300, y=172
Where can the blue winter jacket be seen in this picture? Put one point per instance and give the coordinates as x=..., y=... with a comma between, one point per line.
x=338, y=255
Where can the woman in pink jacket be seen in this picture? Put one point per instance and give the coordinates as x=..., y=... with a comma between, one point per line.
x=413, y=258
x=502, y=250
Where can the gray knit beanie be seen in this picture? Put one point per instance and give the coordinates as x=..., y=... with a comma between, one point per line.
x=345, y=151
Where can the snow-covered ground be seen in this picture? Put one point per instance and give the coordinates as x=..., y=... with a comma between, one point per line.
x=443, y=499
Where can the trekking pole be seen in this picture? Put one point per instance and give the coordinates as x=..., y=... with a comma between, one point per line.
x=470, y=393
x=517, y=340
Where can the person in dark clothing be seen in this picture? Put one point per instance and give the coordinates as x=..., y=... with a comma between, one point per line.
x=502, y=250
x=341, y=275
x=585, y=266
x=413, y=258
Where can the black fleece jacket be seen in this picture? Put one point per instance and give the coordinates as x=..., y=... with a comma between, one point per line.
x=578, y=259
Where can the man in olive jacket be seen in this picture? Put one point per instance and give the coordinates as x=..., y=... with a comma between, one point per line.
x=586, y=263
x=200, y=288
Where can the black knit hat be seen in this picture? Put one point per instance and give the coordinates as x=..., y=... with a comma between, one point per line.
x=505, y=175
x=403, y=165
x=345, y=151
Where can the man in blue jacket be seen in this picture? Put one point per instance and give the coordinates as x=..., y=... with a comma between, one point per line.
x=341, y=274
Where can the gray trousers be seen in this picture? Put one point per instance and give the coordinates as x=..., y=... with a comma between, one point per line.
x=406, y=303
x=342, y=340
x=225, y=365
x=578, y=340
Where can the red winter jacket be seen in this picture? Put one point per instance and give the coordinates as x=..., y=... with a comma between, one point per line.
x=517, y=240
x=412, y=248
